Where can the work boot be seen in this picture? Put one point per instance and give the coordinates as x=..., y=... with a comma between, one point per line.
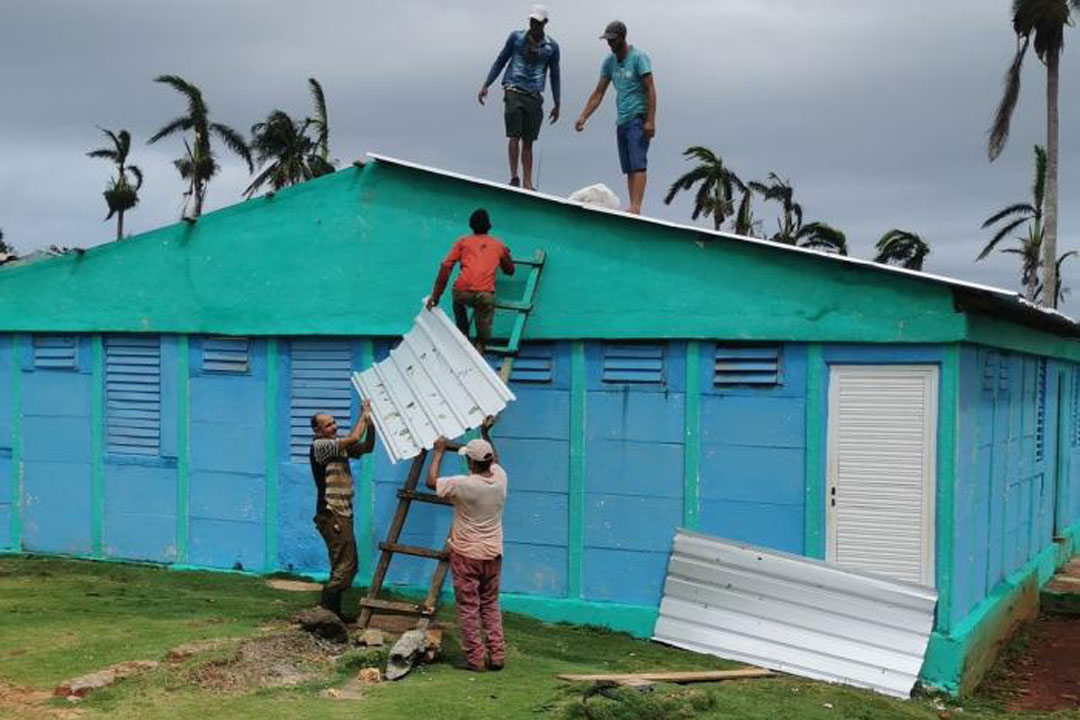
x=331, y=600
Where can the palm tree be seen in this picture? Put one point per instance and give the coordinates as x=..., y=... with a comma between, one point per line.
x=821, y=236
x=903, y=248
x=199, y=164
x=717, y=186
x=1046, y=21
x=122, y=193
x=790, y=221
x=5, y=248
x=282, y=142
x=320, y=123
x=1016, y=215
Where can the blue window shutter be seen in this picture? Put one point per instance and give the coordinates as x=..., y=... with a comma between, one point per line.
x=534, y=363
x=318, y=383
x=746, y=365
x=633, y=363
x=990, y=369
x=1040, y=413
x=55, y=352
x=225, y=355
x=133, y=395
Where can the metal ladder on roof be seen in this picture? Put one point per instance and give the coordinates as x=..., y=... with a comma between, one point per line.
x=408, y=493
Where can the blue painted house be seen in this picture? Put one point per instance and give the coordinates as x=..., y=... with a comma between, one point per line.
x=155, y=395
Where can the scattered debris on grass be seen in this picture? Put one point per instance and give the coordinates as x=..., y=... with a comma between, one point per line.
x=83, y=685
x=187, y=650
x=1043, y=673
x=407, y=651
x=282, y=660
x=372, y=638
x=607, y=701
x=31, y=703
x=293, y=585
x=320, y=621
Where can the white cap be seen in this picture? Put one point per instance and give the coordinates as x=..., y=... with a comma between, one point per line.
x=539, y=13
x=477, y=449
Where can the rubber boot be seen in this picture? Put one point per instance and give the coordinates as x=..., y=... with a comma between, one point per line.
x=331, y=600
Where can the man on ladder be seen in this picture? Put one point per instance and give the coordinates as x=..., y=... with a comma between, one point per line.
x=476, y=545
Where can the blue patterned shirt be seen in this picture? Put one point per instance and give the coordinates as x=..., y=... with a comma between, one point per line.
x=526, y=66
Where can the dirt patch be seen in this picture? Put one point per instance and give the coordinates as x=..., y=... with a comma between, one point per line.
x=31, y=703
x=284, y=659
x=294, y=585
x=1045, y=674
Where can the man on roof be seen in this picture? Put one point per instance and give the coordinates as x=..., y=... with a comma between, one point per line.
x=630, y=71
x=329, y=457
x=528, y=55
x=480, y=256
x=476, y=546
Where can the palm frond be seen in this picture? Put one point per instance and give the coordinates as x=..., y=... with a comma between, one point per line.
x=197, y=110
x=322, y=122
x=235, y=142
x=1024, y=209
x=175, y=125
x=134, y=170
x=1038, y=188
x=999, y=129
x=104, y=153
x=819, y=235
x=999, y=236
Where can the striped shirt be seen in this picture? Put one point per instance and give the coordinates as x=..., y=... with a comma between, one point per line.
x=333, y=478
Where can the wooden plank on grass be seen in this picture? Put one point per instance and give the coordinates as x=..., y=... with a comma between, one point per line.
x=672, y=677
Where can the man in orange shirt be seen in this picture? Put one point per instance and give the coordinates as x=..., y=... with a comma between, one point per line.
x=480, y=256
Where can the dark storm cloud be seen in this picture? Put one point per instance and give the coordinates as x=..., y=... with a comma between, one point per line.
x=877, y=112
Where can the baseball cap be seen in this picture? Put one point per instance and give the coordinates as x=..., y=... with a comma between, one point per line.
x=614, y=29
x=477, y=449
x=539, y=13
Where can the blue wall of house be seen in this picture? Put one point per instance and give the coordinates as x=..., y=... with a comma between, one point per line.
x=202, y=497
x=56, y=453
x=1011, y=479
x=7, y=412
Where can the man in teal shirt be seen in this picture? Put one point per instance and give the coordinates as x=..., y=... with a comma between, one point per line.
x=635, y=100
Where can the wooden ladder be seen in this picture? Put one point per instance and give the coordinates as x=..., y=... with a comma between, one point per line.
x=408, y=493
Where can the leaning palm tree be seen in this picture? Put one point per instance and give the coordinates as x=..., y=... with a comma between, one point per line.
x=903, y=248
x=199, y=164
x=716, y=182
x=284, y=152
x=1016, y=215
x=821, y=236
x=122, y=193
x=321, y=125
x=790, y=220
x=1045, y=20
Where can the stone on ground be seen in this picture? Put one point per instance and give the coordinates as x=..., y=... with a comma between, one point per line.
x=372, y=638
x=323, y=623
x=405, y=653
x=85, y=684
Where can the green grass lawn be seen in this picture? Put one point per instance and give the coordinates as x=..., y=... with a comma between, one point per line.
x=62, y=618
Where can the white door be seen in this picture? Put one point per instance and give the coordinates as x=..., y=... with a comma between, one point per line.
x=881, y=465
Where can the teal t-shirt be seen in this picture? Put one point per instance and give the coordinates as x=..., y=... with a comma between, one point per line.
x=626, y=77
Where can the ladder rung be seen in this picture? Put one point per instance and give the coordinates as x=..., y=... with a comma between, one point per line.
x=423, y=497
x=403, y=608
x=513, y=305
x=528, y=261
x=498, y=349
x=413, y=550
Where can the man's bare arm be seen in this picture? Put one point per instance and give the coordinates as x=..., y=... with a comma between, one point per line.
x=351, y=442
x=593, y=102
x=436, y=460
x=648, y=128
x=485, y=430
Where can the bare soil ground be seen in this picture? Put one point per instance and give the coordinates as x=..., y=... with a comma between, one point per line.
x=1045, y=674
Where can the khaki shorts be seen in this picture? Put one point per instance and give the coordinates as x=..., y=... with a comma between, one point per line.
x=483, y=305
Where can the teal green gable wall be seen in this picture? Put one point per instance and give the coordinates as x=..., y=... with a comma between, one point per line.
x=352, y=253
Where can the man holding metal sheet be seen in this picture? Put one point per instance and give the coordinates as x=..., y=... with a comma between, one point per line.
x=476, y=546
x=329, y=457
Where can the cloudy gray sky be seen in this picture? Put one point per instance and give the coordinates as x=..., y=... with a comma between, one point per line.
x=876, y=111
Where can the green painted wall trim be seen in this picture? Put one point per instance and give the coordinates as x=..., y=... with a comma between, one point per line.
x=183, y=444
x=576, y=490
x=97, y=443
x=995, y=332
x=15, y=540
x=270, y=492
x=813, y=508
x=948, y=653
x=692, y=439
x=365, y=494
x=948, y=415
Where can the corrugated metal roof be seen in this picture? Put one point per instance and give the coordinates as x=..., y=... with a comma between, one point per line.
x=434, y=383
x=794, y=614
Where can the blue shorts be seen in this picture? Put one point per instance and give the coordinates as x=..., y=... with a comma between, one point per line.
x=633, y=147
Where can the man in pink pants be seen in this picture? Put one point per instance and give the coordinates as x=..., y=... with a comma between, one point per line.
x=476, y=546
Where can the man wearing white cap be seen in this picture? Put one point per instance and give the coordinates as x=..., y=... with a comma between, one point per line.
x=528, y=55
x=476, y=546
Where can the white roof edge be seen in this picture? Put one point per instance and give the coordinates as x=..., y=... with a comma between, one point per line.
x=1009, y=294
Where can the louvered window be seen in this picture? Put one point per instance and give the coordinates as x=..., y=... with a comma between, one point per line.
x=633, y=363
x=1040, y=413
x=225, y=355
x=757, y=365
x=55, y=352
x=133, y=395
x=318, y=383
x=533, y=364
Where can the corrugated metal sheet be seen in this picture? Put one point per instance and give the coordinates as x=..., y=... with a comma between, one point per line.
x=434, y=383
x=794, y=614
